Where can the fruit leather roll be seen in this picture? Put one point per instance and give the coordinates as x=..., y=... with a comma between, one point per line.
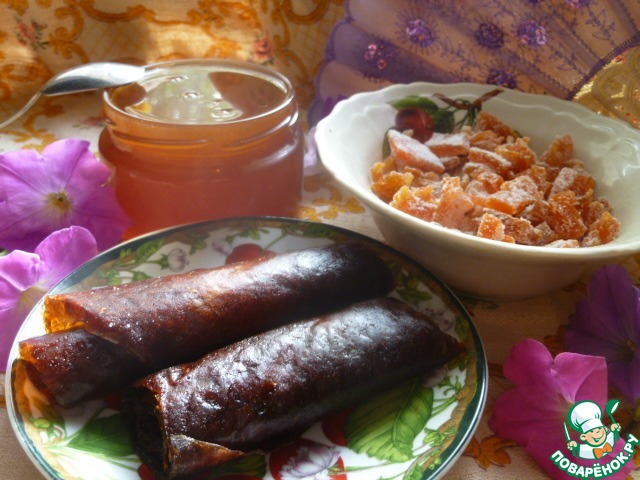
x=103, y=338
x=261, y=391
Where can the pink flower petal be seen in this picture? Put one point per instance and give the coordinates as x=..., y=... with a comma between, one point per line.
x=19, y=271
x=534, y=411
x=64, y=251
x=68, y=170
x=26, y=277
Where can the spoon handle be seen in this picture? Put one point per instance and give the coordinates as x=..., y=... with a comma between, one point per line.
x=22, y=111
x=84, y=78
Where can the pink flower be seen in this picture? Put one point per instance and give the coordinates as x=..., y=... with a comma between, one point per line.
x=64, y=186
x=25, y=277
x=533, y=413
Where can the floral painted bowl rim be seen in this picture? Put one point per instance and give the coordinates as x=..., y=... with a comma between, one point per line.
x=154, y=247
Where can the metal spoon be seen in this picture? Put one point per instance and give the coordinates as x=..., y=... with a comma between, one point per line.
x=87, y=77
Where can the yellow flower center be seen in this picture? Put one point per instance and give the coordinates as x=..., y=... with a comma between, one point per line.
x=60, y=201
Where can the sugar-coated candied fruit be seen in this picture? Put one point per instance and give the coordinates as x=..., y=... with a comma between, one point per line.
x=485, y=180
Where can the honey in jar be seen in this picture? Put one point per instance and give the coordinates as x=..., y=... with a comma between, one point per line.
x=203, y=139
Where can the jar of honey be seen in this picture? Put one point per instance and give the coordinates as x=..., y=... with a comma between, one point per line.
x=203, y=139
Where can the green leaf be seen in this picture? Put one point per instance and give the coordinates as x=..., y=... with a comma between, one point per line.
x=316, y=230
x=416, y=101
x=445, y=121
x=105, y=436
x=147, y=249
x=49, y=412
x=414, y=473
x=138, y=275
x=387, y=426
x=462, y=329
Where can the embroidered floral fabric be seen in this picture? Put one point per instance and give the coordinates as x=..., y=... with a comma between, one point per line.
x=553, y=47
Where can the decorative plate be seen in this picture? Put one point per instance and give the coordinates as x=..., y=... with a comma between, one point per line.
x=416, y=431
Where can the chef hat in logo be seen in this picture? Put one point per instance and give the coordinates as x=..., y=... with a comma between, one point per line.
x=585, y=416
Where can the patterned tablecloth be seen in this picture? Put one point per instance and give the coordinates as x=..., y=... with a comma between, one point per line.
x=41, y=37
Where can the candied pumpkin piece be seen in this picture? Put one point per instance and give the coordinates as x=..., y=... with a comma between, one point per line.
x=576, y=180
x=451, y=162
x=491, y=180
x=486, y=140
x=547, y=234
x=387, y=186
x=449, y=144
x=378, y=169
x=422, y=178
x=514, y=196
x=453, y=204
x=409, y=151
x=418, y=206
x=520, y=229
x=496, y=162
x=539, y=175
x=477, y=191
x=564, y=217
x=537, y=212
x=518, y=153
x=560, y=151
x=493, y=228
x=603, y=230
x=593, y=211
x=488, y=121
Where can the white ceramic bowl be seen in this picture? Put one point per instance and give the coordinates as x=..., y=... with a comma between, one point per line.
x=349, y=142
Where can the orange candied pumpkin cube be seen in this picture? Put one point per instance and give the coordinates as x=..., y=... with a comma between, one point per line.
x=449, y=144
x=491, y=180
x=417, y=205
x=540, y=176
x=408, y=151
x=514, y=196
x=537, y=212
x=603, y=230
x=378, y=169
x=593, y=211
x=491, y=227
x=486, y=140
x=518, y=153
x=387, y=185
x=488, y=121
x=498, y=163
x=576, y=180
x=453, y=205
x=560, y=151
x=564, y=217
x=520, y=229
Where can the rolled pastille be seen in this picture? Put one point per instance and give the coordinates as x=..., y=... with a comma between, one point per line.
x=256, y=394
x=151, y=324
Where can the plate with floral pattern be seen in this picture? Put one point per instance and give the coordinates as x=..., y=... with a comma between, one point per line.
x=413, y=432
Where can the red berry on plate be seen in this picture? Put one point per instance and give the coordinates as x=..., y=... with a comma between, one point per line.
x=247, y=251
x=417, y=120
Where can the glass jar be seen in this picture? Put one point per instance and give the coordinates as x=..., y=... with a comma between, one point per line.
x=203, y=139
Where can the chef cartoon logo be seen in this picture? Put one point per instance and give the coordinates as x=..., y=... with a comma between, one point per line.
x=597, y=440
x=593, y=441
